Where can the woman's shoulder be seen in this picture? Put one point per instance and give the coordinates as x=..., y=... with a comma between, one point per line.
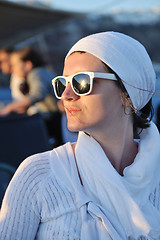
x=43, y=164
x=35, y=161
x=33, y=169
x=36, y=172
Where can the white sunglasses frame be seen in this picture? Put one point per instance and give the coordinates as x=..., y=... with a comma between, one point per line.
x=92, y=75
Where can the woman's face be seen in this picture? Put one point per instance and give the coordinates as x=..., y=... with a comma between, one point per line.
x=97, y=111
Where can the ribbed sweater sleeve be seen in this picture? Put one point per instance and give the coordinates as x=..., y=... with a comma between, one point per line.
x=20, y=212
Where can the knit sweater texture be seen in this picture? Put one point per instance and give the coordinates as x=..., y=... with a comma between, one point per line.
x=37, y=204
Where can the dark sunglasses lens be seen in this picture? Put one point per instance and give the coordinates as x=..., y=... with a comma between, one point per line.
x=81, y=83
x=60, y=85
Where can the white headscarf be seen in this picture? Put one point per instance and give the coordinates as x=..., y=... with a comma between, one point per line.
x=127, y=58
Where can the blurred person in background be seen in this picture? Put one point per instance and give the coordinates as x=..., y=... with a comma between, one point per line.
x=5, y=60
x=37, y=97
x=17, y=84
x=106, y=186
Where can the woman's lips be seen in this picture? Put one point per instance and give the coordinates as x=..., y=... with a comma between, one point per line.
x=72, y=110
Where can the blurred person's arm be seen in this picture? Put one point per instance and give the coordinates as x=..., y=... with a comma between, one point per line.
x=17, y=106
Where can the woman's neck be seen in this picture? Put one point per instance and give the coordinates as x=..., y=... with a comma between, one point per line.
x=119, y=146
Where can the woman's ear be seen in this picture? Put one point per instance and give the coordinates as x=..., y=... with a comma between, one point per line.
x=128, y=100
x=126, y=103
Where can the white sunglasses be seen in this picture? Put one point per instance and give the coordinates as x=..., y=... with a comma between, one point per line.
x=81, y=82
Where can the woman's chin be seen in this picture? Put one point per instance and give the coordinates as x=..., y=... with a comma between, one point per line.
x=73, y=127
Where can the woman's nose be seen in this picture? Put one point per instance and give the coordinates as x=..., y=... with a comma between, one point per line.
x=69, y=94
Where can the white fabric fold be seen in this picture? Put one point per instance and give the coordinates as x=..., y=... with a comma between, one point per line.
x=112, y=206
x=125, y=200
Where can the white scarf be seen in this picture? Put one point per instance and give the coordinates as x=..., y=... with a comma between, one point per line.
x=112, y=206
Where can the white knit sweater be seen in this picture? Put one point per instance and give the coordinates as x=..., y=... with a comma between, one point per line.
x=37, y=204
x=40, y=204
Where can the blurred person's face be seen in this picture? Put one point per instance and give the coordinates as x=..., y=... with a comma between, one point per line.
x=19, y=67
x=5, y=62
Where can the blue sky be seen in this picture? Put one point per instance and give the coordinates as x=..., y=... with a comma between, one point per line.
x=108, y=5
x=99, y=5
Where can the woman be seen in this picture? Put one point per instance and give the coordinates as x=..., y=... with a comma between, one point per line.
x=107, y=185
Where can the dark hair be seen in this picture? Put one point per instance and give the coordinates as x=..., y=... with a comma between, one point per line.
x=29, y=54
x=8, y=49
x=142, y=118
x=158, y=117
